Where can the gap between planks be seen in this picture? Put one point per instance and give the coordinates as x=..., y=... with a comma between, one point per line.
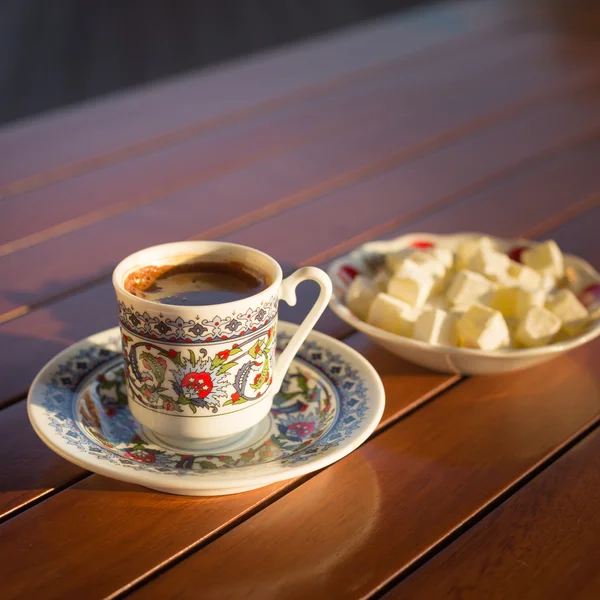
x=485, y=510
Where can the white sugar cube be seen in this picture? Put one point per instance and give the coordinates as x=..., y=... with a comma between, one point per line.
x=381, y=280
x=482, y=327
x=411, y=284
x=490, y=263
x=548, y=283
x=573, y=314
x=392, y=314
x=524, y=276
x=526, y=299
x=394, y=260
x=429, y=263
x=439, y=301
x=578, y=279
x=537, y=327
x=467, y=249
x=443, y=255
x=437, y=327
x=467, y=288
x=422, y=258
x=504, y=300
x=545, y=258
x=360, y=294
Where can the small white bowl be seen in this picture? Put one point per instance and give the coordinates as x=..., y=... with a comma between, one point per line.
x=447, y=359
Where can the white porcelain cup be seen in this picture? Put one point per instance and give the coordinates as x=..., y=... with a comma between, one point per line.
x=198, y=376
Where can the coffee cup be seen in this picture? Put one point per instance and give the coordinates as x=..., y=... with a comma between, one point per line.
x=199, y=376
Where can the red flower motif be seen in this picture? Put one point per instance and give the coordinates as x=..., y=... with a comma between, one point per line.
x=125, y=340
x=145, y=457
x=347, y=273
x=223, y=355
x=162, y=362
x=515, y=253
x=590, y=295
x=167, y=405
x=201, y=383
x=147, y=347
x=256, y=378
x=422, y=244
x=235, y=397
x=302, y=430
x=110, y=411
x=147, y=393
x=172, y=353
x=270, y=333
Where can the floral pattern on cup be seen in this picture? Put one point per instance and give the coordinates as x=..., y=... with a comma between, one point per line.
x=190, y=380
x=179, y=330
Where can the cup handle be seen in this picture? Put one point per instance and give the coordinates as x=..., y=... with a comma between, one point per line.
x=288, y=294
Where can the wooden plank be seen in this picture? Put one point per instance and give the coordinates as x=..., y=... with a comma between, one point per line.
x=57, y=209
x=32, y=470
x=130, y=520
x=299, y=177
x=541, y=543
x=126, y=125
x=487, y=195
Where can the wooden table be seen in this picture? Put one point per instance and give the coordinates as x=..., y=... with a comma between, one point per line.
x=480, y=115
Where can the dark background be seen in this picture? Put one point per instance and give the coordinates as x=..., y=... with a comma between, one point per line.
x=58, y=52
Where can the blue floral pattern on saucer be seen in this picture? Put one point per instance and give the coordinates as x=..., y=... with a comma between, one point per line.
x=330, y=401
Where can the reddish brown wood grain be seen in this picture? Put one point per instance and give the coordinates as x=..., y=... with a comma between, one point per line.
x=56, y=209
x=37, y=152
x=504, y=157
x=61, y=534
x=408, y=386
x=550, y=186
x=358, y=524
x=541, y=543
x=305, y=175
x=29, y=469
x=501, y=194
x=331, y=220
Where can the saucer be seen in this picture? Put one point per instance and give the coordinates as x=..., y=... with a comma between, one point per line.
x=330, y=402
